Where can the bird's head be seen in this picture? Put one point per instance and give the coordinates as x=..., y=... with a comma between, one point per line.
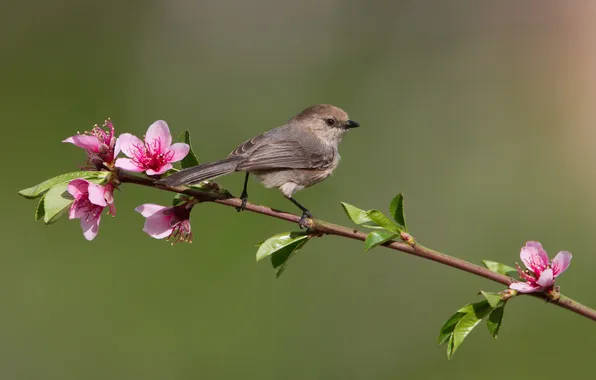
x=328, y=122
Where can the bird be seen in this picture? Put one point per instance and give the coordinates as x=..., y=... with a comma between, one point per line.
x=296, y=155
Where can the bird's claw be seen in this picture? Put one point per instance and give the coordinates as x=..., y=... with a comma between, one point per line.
x=242, y=206
x=304, y=222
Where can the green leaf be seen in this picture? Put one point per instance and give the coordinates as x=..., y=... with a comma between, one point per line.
x=495, y=319
x=55, y=203
x=450, y=347
x=378, y=237
x=278, y=242
x=39, y=211
x=396, y=208
x=40, y=189
x=460, y=324
x=281, y=248
x=480, y=309
x=475, y=313
x=462, y=329
x=191, y=159
x=492, y=298
x=279, y=259
x=359, y=216
x=380, y=219
x=496, y=267
x=448, y=327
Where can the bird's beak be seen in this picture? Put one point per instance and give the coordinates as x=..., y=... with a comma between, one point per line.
x=352, y=124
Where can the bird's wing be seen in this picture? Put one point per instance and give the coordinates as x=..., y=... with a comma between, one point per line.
x=250, y=145
x=285, y=154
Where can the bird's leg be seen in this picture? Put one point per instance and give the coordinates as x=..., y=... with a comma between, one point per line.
x=305, y=213
x=244, y=195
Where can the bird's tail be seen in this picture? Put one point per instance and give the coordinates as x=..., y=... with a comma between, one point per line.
x=201, y=173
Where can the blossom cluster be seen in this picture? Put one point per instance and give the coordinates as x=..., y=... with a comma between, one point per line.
x=154, y=156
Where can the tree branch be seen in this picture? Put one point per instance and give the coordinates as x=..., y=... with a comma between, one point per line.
x=341, y=231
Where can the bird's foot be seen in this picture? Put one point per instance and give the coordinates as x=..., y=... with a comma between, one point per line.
x=304, y=222
x=242, y=206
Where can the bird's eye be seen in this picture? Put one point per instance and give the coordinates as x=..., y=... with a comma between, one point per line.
x=330, y=121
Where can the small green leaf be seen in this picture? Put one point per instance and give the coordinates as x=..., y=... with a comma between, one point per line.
x=448, y=327
x=460, y=324
x=495, y=319
x=492, y=298
x=466, y=324
x=396, y=208
x=463, y=328
x=480, y=309
x=496, y=267
x=359, y=216
x=378, y=237
x=450, y=347
x=191, y=159
x=281, y=248
x=279, y=259
x=56, y=201
x=39, y=211
x=379, y=218
x=40, y=189
x=277, y=242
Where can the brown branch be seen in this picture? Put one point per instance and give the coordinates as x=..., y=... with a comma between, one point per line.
x=337, y=230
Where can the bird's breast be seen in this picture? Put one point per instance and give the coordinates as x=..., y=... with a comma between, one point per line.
x=301, y=177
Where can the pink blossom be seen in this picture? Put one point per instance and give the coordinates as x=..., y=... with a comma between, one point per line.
x=541, y=274
x=155, y=155
x=90, y=200
x=167, y=222
x=100, y=145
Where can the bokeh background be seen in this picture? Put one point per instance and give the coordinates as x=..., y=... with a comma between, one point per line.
x=483, y=115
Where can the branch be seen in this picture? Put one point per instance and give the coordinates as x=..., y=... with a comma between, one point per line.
x=350, y=233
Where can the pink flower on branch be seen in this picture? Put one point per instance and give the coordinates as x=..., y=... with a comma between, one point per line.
x=541, y=273
x=90, y=200
x=155, y=155
x=167, y=222
x=100, y=145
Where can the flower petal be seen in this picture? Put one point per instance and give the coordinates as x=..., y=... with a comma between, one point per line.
x=561, y=262
x=128, y=164
x=541, y=251
x=117, y=148
x=546, y=278
x=97, y=195
x=77, y=187
x=180, y=151
x=523, y=287
x=86, y=142
x=534, y=257
x=76, y=211
x=90, y=226
x=149, y=209
x=158, y=225
x=159, y=131
x=161, y=170
x=535, y=244
x=127, y=143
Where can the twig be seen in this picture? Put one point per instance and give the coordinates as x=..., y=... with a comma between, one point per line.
x=337, y=230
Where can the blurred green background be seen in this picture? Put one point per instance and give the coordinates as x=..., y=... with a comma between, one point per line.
x=482, y=115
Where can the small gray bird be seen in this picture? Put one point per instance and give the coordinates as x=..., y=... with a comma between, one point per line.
x=291, y=157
